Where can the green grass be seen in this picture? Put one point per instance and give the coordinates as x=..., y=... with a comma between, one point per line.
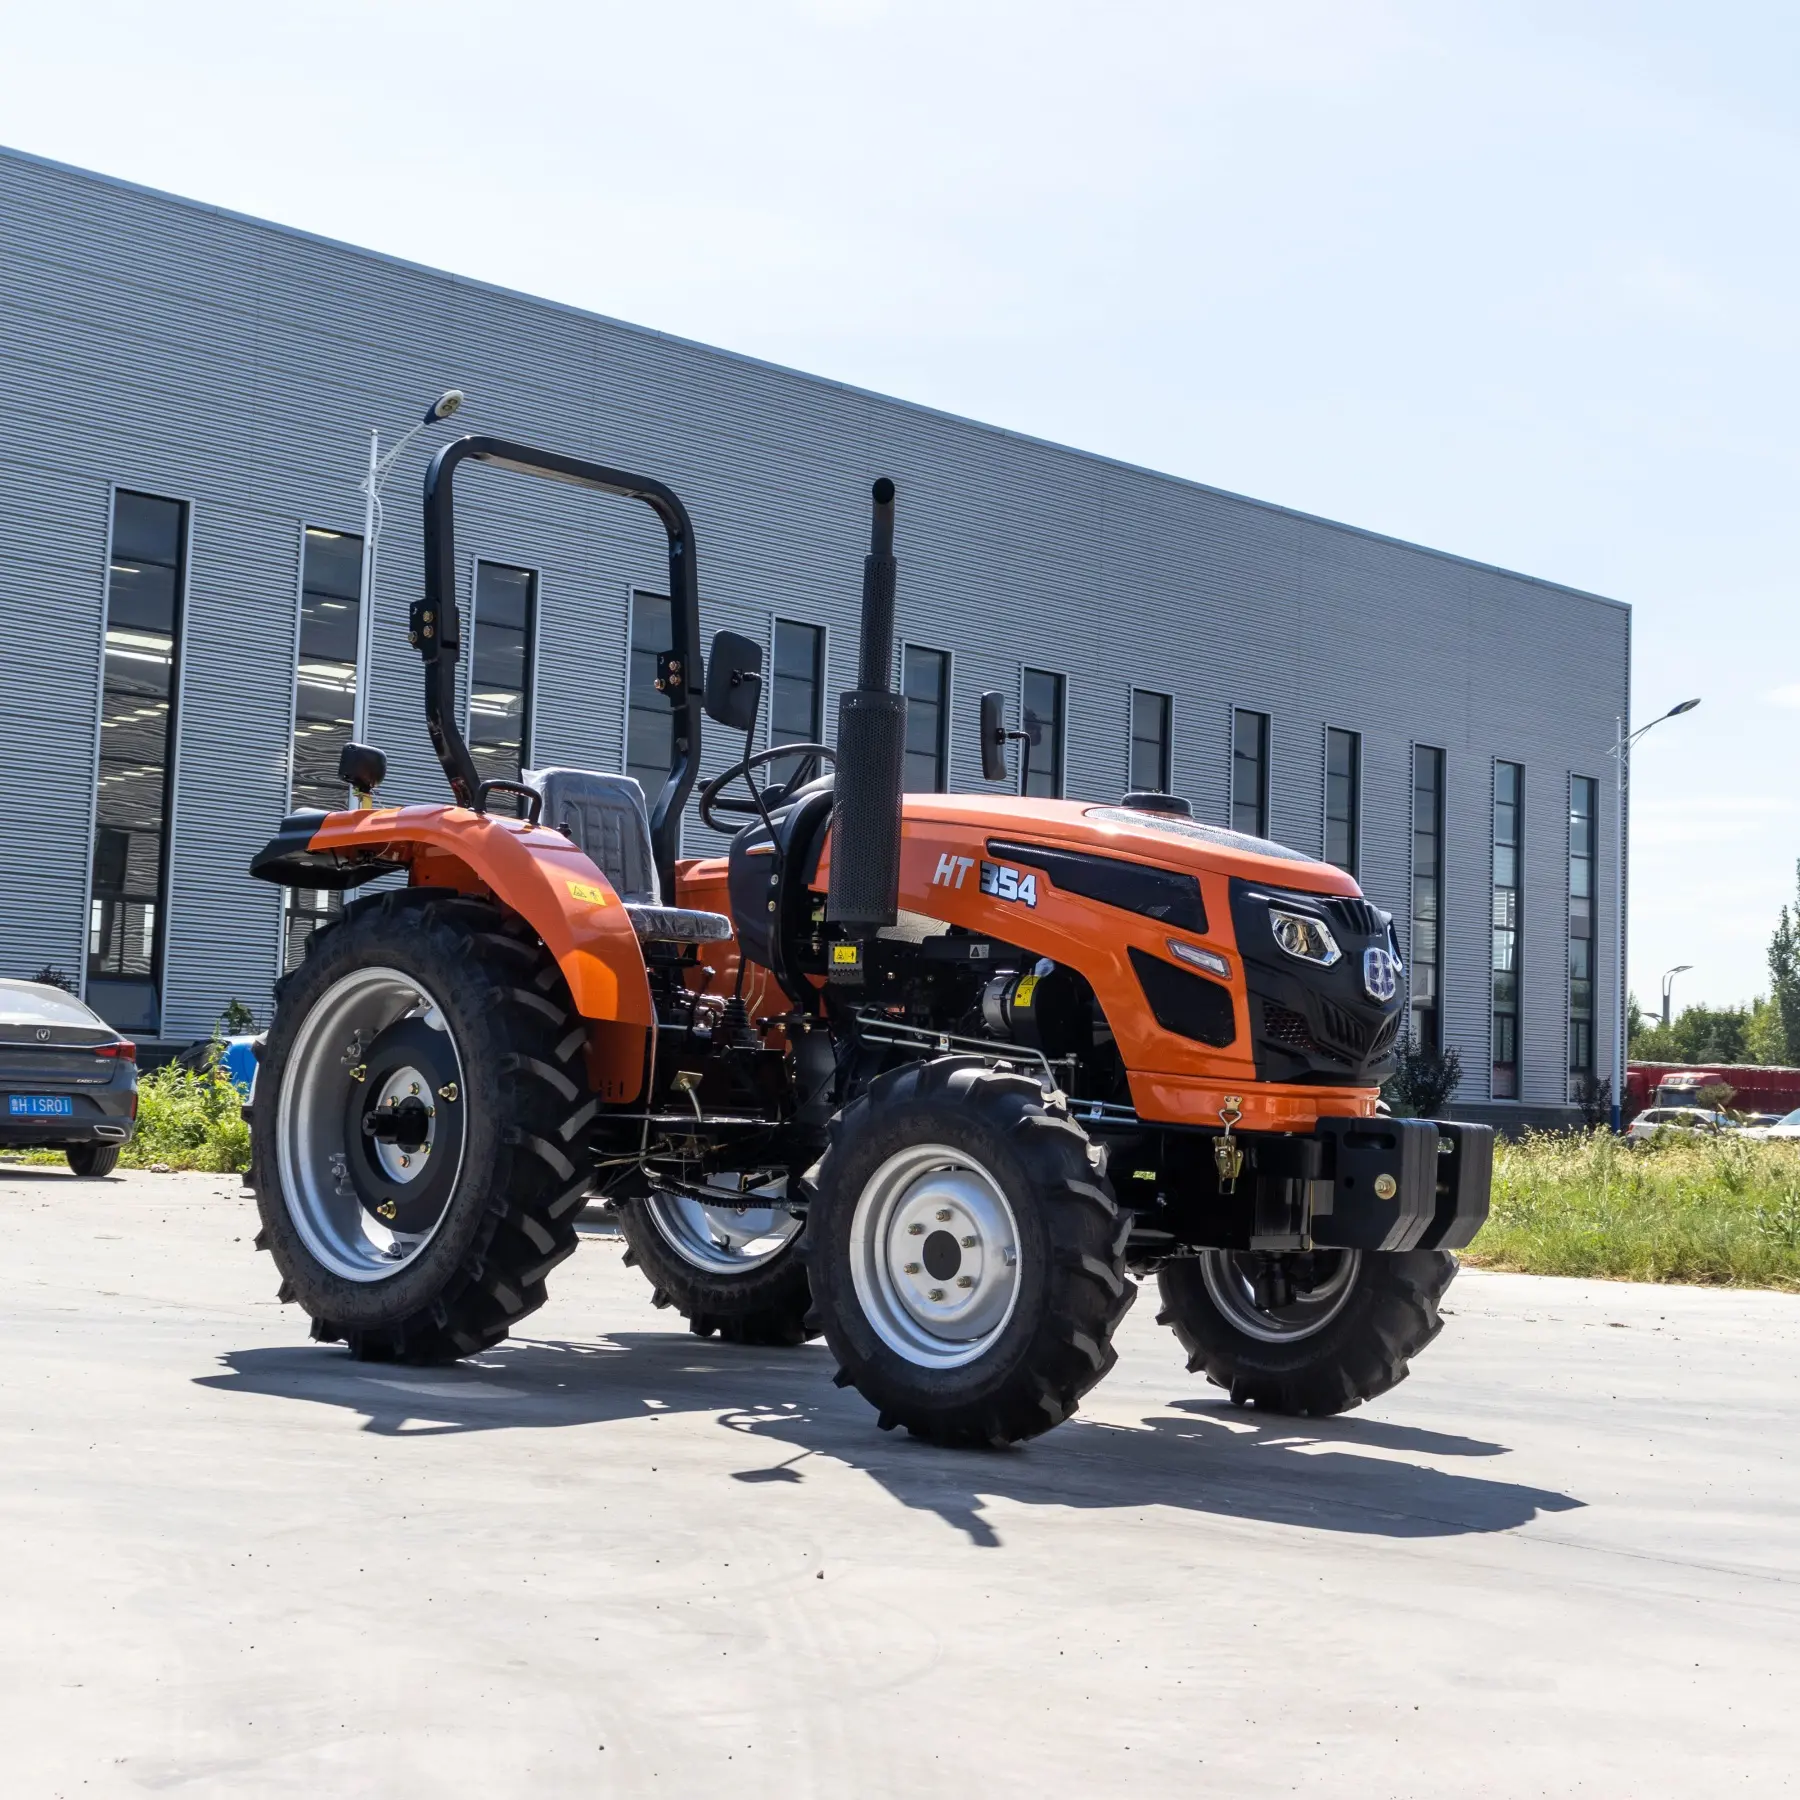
x=1714, y=1210
x=186, y=1120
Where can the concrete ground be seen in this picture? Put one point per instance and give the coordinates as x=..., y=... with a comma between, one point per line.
x=608, y=1559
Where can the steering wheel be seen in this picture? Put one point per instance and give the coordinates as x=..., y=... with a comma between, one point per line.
x=709, y=795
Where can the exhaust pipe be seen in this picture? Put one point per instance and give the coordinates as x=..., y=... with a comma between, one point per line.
x=871, y=745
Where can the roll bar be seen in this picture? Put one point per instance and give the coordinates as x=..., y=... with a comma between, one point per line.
x=435, y=623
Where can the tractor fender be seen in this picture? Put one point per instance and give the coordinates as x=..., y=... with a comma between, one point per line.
x=536, y=872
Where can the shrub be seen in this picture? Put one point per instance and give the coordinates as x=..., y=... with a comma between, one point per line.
x=1425, y=1081
x=189, y=1119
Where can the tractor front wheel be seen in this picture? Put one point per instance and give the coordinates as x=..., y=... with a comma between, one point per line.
x=965, y=1254
x=417, y=1133
x=1309, y=1334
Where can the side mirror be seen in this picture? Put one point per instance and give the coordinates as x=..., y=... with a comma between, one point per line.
x=362, y=767
x=993, y=735
x=733, y=681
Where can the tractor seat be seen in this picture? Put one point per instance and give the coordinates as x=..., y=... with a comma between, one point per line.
x=606, y=817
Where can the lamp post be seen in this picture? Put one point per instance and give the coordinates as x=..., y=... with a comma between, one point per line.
x=1621, y=754
x=1668, y=982
x=380, y=468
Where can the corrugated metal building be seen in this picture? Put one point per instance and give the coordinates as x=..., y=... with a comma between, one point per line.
x=190, y=394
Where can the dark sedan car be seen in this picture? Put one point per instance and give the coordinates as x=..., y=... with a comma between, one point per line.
x=68, y=1081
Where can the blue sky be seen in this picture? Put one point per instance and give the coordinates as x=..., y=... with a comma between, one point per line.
x=1518, y=281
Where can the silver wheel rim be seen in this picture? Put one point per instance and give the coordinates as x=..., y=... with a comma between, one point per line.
x=938, y=1304
x=743, y=1230
x=1231, y=1287
x=311, y=1149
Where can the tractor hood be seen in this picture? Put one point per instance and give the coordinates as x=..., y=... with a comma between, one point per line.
x=1161, y=838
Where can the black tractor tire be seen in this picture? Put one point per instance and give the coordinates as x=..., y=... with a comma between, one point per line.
x=1364, y=1348
x=91, y=1160
x=767, y=1305
x=1069, y=1286
x=522, y=1178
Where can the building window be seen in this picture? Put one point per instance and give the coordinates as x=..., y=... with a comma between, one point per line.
x=925, y=680
x=500, y=673
x=1509, y=840
x=1584, y=820
x=1150, y=742
x=325, y=681
x=1250, y=773
x=649, y=719
x=126, y=924
x=324, y=703
x=1343, y=798
x=796, y=704
x=1041, y=765
x=1427, y=894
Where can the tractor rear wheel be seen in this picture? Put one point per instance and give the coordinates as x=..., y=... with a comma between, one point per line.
x=730, y=1265
x=1309, y=1335
x=417, y=1129
x=966, y=1254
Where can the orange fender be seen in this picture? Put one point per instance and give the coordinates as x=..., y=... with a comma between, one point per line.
x=536, y=872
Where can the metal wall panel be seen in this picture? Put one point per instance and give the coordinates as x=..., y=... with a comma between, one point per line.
x=163, y=344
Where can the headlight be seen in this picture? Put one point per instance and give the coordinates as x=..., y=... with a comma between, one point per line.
x=1301, y=935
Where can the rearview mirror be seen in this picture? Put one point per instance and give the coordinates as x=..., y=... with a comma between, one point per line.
x=993, y=735
x=733, y=681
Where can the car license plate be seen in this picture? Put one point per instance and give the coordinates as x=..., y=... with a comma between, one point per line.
x=40, y=1106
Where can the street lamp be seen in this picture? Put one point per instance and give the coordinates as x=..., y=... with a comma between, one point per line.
x=380, y=468
x=1668, y=982
x=1621, y=754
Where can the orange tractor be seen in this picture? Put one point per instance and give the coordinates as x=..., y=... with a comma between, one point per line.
x=939, y=1076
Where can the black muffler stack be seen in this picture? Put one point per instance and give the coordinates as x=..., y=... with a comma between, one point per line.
x=871, y=760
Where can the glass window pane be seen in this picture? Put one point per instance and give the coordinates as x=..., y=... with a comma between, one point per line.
x=1343, y=758
x=500, y=674
x=325, y=681
x=1508, y=842
x=924, y=680
x=1584, y=800
x=1040, y=764
x=795, y=704
x=137, y=725
x=1150, y=742
x=1250, y=773
x=650, y=721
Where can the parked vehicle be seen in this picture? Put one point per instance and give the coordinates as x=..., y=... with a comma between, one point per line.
x=68, y=1081
x=234, y=1056
x=1753, y=1088
x=934, y=1075
x=1654, y=1120
x=1765, y=1125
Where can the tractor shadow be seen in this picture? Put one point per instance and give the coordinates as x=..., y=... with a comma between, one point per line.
x=1354, y=1475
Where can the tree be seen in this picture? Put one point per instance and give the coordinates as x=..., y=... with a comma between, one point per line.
x=56, y=978
x=1765, y=1041
x=1701, y=1034
x=1784, y=973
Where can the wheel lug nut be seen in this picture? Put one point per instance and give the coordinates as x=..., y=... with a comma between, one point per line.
x=970, y=1241
x=937, y=1293
x=912, y=1268
x=943, y=1212
x=915, y=1231
x=965, y=1281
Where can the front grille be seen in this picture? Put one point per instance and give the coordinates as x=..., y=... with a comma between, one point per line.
x=1357, y=916
x=1384, y=1038
x=1291, y=1031
x=1342, y=1032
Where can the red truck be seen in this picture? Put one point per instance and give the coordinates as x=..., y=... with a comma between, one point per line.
x=1753, y=1088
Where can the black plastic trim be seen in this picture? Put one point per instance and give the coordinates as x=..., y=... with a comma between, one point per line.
x=1160, y=894
x=1187, y=1004
x=288, y=860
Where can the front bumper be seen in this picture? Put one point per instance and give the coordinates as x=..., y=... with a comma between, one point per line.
x=1370, y=1184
